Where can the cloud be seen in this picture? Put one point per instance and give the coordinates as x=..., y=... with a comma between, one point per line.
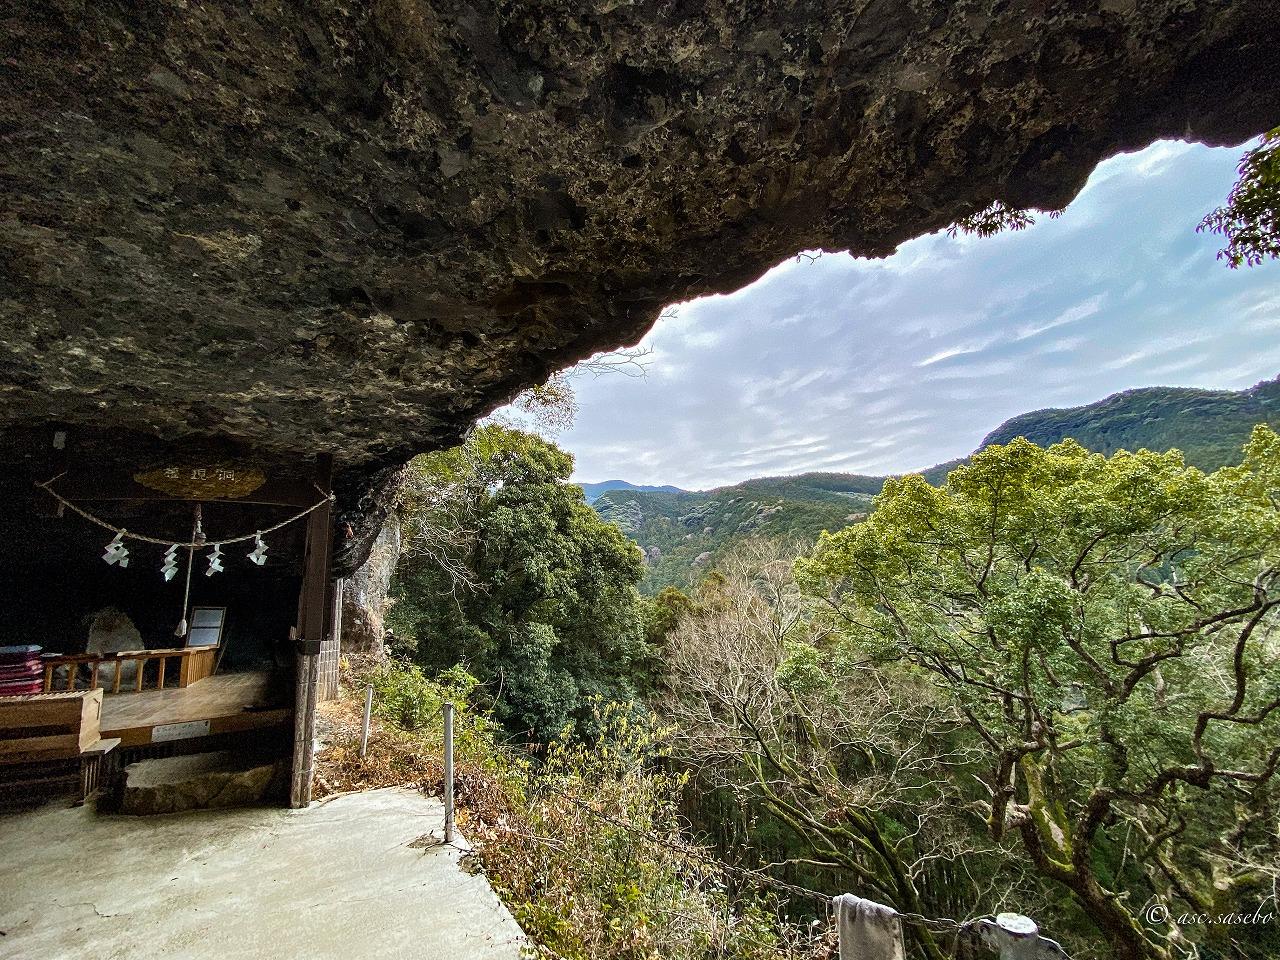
x=951, y=352
x=1157, y=349
x=1060, y=345
x=805, y=443
x=974, y=371
x=897, y=364
x=1073, y=314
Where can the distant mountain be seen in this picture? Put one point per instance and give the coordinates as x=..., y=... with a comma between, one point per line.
x=593, y=490
x=683, y=533
x=1208, y=426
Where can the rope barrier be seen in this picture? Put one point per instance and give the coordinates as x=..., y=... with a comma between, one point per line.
x=191, y=545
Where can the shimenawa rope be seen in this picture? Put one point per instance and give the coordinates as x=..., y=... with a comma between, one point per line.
x=190, y=545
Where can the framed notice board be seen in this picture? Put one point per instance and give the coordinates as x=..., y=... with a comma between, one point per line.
x=206, y=626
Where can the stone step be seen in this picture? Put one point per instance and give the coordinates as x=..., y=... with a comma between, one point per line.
x=200, y=781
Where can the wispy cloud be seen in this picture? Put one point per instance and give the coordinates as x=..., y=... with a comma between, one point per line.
x=1080, y=311
x=951, y=352
x=896, y=364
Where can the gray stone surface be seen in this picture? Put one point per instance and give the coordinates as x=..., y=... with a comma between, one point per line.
x=364, y=596
x=351, y=879
x=111, y=631
x=201, y=781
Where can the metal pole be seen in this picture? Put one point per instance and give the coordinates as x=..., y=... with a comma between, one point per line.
x=448, y=773
x=368, y=715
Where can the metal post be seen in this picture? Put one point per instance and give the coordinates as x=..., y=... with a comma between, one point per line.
x=368, y=715
x=448, y=773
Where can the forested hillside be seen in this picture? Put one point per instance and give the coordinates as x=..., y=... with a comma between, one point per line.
x=683, y=534
x=1208, y=426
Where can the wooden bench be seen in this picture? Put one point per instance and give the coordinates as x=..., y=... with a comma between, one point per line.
x=52, y=740
x=194, y=664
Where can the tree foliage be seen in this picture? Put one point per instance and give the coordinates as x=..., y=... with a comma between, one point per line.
x=1106, y=629
x=551, y=618
x=619, y=879
x=551, y=407
x=996, y=217
x=1250, y=220
x=842, y=774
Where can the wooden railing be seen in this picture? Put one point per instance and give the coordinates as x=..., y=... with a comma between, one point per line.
x=194, y=664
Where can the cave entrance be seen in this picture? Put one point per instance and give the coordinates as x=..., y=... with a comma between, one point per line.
x=164, y=620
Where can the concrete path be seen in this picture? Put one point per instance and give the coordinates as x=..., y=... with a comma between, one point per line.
x=362, y=877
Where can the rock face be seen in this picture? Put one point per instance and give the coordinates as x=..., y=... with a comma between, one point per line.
x=357, y=227
x=111, y=630
x=364, y=595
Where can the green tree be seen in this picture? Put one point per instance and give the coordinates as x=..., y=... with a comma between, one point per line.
x=811, y=761
x=1250, y=221
x=525, y=585
x=663, y=612
x=1106, y=629
x=997, y=217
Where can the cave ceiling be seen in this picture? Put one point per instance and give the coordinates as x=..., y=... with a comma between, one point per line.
x=356, y=227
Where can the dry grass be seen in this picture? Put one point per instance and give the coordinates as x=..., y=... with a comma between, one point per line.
x=396, y=757
x=392, y=758
x=577, y=851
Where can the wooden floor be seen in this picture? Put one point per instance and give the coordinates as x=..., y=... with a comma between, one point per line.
x=219, y=704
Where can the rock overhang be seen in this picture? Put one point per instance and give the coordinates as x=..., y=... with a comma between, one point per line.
x=318, y=227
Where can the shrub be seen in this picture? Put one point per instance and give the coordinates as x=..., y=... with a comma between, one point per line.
x=585, y=845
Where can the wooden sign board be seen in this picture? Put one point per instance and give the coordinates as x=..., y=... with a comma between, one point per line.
x=206, y=482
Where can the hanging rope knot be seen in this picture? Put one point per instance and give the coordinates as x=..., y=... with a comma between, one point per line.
x=198, y=538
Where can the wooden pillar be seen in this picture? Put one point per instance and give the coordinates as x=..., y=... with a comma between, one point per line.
x=312, y=629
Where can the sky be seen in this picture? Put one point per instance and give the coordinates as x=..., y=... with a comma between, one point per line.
x=893, y=365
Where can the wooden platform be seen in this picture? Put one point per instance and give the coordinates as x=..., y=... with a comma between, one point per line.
x=225, y=703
